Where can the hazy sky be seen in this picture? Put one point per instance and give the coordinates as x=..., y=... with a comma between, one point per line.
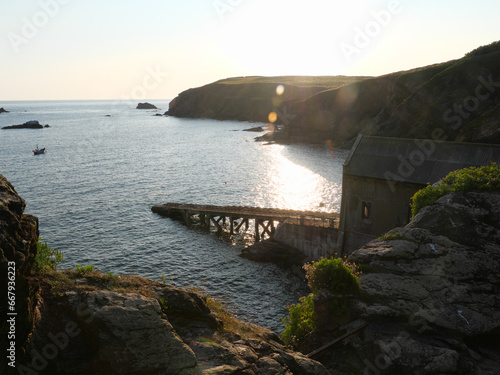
x=112, y=49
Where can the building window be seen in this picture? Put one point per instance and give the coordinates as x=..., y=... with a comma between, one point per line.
x=366, y=211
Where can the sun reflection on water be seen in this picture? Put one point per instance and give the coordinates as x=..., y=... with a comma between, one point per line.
x=297, y=187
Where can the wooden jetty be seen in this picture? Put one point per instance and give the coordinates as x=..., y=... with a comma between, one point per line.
x=236, y=217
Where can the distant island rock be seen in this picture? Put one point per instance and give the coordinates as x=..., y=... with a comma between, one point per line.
x=441, y=101
x=146, y=106
x=34, y=124
x=2, y=110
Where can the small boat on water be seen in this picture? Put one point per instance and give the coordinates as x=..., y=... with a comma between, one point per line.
x=38, y=151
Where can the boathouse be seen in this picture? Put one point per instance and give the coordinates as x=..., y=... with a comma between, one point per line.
x=380, y=175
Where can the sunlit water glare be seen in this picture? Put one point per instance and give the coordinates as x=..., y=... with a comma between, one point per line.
x=94, y=189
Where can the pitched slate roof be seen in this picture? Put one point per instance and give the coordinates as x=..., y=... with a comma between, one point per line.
x=415, y=160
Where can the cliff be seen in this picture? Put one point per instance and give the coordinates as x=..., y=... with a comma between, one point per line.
x=250, y=98
x=456, y=100
x=18, y=243
x=429, y=293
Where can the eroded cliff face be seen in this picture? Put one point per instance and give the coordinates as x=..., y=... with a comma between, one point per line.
x=431, y=298
x=18, y=239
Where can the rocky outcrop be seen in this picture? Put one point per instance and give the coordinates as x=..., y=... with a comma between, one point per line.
x=2, y=110
x=34, y=124
x=146, y=106
x=133, y=325
x=431, y=297
x=18, y=244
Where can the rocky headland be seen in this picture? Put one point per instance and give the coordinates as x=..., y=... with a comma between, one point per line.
x=455, y=100
x=34, y=124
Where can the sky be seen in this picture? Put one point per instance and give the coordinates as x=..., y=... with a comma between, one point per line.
x=155, y=49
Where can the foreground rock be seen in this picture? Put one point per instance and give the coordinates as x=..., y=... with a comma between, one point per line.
x=146, y=106
x=18, y=239
x=27, y=125
x=131, y=325
x=431, y=297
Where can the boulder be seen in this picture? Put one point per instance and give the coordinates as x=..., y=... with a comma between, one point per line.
x=146, y=106
x=18, y=246
x=430, y=297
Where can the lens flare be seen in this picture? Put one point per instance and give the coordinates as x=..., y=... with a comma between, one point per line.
x=273, y=116
x=280, y=90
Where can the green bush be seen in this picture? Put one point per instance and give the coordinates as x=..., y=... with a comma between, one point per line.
x=485, y=178
x=300, y=322
x=46, y=258
x=332, y=274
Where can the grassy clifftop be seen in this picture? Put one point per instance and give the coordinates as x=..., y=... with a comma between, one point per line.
x=455, y=100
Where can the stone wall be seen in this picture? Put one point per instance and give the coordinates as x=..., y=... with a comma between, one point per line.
x=313, y=242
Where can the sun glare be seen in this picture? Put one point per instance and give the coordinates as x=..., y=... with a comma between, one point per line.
x=296, y=187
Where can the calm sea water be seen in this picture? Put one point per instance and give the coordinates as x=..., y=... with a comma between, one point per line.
x=94, y=189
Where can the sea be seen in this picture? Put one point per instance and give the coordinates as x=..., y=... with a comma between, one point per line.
x=107, y=163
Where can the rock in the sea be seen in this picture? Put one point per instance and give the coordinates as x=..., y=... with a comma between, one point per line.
x=2, y=110
x=274, y=252
x=146, y=106
x=254, y=129
x=18, y=246
x=431, y=296
x=34, y=124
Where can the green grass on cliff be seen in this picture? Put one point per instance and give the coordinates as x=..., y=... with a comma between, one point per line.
x=46, y=258
x=485, y=178
x=328, y=82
